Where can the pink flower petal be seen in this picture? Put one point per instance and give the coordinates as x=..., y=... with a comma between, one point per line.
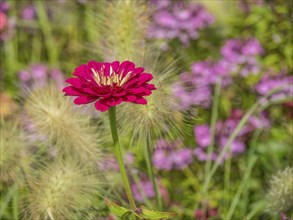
x=141, y=101
x=145, y=77
x=84, y=100
x=129, y=98
x=74, y=82
x=141, y=91
x=113, y=101
x=138, y=70
x=71, y=91
x=101, y=107
x=150, y=86
x=115, y=65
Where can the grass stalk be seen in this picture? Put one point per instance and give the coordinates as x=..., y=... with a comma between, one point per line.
x=213, y=123
x=242, y=187
x=46, y=28
x=150, y=168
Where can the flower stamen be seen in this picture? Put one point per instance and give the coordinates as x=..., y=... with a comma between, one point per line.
x=110, y=80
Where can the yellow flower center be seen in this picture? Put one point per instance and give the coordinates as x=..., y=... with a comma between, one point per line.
x=110, y=80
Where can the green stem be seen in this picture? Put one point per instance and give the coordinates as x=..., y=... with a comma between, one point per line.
x=227, y=174
x=241, y=188
x=118, y=152
x=52, y=48
x=148, y=159
x=232, y=137
x=139, y=185
x=214, y=118
x=251, y=153
x=257, y=106
x=190, y=176
x=210, y=149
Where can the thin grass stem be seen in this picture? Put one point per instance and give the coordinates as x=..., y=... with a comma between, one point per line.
x=254, y=108
x=150, y=168
x=213, y=123
x=241, y=188
x=46, y=28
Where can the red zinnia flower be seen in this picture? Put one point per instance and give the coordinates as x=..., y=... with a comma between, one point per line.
x=109, y=84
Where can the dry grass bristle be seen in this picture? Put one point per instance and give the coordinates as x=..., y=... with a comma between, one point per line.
x=280, y=193
x=64, y=126
x=63, y=190
x=14, y=152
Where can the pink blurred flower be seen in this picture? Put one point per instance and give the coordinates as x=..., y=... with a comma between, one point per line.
x=202, y=214
x=3, y=21
x=284, y=217
x=109, y=84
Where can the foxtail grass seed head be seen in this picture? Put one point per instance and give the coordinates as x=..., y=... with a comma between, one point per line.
x=65, y=127
x=160, y=116
x=123, y=27
x=280, y=193
x=14, y=152
x=63, y=190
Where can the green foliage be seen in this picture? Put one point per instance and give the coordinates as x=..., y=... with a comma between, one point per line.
x=271, y=24
x=141, y=212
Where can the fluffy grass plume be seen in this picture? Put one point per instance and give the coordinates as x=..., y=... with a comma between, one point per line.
x=122, y=27
x=14, y=152
x=63, y=190
x=160, y=116
x=66, y=128
x=280, y=193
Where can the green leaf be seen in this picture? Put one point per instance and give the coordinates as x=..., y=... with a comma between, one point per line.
x=116, y=209
x=143, y=213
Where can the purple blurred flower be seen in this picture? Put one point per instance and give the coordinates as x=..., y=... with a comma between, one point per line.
x=252, y=47
x=202, y=134
x=196, y=88
x=241, y=54
x=29, y=13
x=223, y=131
x=238, y=56
x=128, y=158
x=181, y=158
x=144, y=186
x=202, y=155
x=4, y=6
x=110, y=162
x=176, y=19
x=168, y=156
x=161, y=160
x=281, y=82
x=284, y=217
x=237, y=146
x=189, y=94
x=260, y=122
x=38, y=75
